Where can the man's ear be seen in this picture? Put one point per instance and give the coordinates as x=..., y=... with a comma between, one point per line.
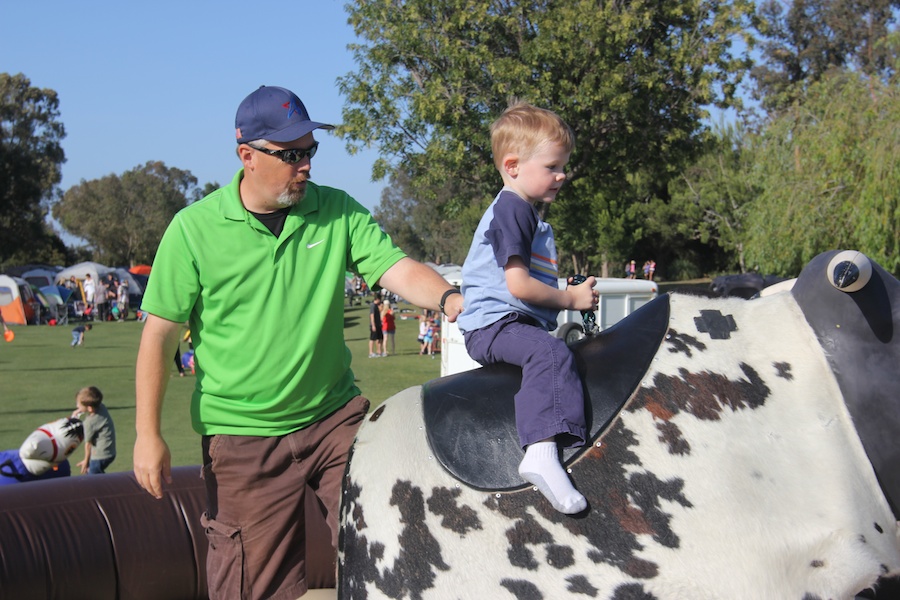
x=245, y=153
x=511, y=164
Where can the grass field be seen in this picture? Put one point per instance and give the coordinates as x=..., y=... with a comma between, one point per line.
x=40, y=373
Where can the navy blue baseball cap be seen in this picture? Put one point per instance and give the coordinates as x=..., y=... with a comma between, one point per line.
x=274, y=114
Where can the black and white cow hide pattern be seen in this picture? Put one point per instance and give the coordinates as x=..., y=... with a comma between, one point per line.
x=734, y=471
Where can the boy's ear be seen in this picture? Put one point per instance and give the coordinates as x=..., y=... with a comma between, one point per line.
x=511, y=164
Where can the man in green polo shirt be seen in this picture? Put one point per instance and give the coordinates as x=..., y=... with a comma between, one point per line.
x=257, y=268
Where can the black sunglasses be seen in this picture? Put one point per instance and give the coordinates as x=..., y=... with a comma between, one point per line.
x=292, y=155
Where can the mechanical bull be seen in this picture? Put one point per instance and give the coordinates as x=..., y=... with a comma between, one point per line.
x=739, y=449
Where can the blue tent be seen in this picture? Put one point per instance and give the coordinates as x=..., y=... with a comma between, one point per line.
x=54, y=299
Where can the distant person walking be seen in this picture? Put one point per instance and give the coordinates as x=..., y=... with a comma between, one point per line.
x=428, y=339
x=90, y=288
x=100, y=301
x=122, y=300
x=389, y=327
x=112, y=296
x=376, y=335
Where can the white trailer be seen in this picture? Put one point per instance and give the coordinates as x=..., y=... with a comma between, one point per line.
x=618, y=299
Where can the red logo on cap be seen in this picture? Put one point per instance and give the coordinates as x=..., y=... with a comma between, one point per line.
x=237, y=133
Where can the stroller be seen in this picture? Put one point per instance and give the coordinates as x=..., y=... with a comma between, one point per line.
x=83, y=310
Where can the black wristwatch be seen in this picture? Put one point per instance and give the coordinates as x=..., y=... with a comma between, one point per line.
x=446, y=295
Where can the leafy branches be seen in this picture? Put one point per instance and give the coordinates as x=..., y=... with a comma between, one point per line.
x=630, y=78
x=830, y=176
x=31, y=158
x=124, y=217
x=809, y=39
x=712, y=199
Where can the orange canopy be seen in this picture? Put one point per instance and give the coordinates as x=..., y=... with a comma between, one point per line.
x=140, y=269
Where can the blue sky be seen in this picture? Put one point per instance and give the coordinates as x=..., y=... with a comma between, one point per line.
x=162, y=80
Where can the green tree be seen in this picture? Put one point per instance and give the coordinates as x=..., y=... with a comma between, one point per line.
x=830, y=177
x=124, y=218
x=207, y=189
x=803, y=42
x=630, y=78
x=31, y=157
x=712, y=198
x=399, y=214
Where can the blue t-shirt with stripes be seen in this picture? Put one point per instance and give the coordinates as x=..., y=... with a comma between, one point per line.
x=510, y=227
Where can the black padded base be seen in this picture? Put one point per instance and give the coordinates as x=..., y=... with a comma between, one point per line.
x=470, y=417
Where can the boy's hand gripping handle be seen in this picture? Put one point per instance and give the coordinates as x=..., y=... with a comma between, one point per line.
x=588, y=317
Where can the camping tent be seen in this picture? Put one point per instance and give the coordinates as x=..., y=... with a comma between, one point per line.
x=40, y=277
x=17, y=301
x=96, y=271
x=56, y=297
x=134, y=286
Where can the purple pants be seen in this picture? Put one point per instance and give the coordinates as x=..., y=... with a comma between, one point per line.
x=551, y=399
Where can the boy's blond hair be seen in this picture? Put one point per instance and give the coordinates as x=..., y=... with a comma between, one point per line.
x=522, y=129
x=89, y=396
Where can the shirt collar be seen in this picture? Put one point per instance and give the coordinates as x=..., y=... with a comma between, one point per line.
x=231, y=207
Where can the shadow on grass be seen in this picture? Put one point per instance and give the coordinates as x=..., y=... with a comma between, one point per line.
x=45, y=410
x=93, y=347
x=74, y=368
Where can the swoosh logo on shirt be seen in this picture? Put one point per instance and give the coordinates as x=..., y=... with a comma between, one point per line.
x=314, y=244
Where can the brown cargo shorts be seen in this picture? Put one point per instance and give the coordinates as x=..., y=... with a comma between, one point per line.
x=256, y=490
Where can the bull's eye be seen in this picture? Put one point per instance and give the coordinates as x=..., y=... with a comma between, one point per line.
x=849, y=271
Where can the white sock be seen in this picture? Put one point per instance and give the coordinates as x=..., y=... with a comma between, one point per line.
x=541, y=467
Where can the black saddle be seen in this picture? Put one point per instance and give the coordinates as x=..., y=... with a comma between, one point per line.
x=470, y=417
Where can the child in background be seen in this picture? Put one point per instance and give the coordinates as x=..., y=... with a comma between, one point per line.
x=78, y=334
x=512, y=299
x=389, y=327
x=428, y=339
x=423, y=327
x=99, y=431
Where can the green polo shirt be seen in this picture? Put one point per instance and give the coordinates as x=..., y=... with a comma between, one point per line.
x=266, y=313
